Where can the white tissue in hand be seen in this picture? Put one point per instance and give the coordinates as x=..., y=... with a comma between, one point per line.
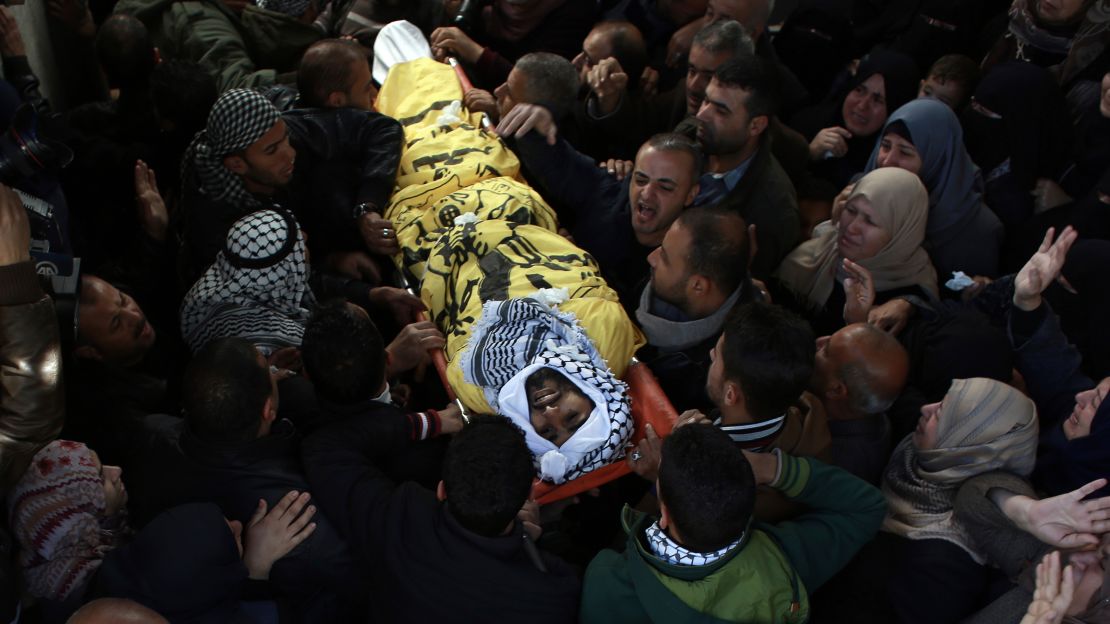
x=959, y=281
x=466, y=218
x=550, y=296
x=450, y=114
x=553, y=466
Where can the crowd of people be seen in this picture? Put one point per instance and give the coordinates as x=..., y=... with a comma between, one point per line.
x=860, y=241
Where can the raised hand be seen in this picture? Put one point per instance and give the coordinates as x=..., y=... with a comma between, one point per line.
x=1053, y=594
x=608, y=82
x=859, y=289
x=1064, y=521
x=1042, y=268
x=527, y=117
x=448, y=41
x=153, y=215
x=15, y=229
x=271, y=536
x=829, y=143
x=617, y=168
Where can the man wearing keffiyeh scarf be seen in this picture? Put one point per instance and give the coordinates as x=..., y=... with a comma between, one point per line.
x=345, y=164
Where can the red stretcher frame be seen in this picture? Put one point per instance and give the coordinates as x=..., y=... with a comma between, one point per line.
x=649, y=404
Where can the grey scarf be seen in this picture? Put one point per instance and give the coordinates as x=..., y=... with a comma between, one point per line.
x=678, y=335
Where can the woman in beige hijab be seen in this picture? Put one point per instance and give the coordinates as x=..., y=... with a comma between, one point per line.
x=936, y=571
x=881, y=230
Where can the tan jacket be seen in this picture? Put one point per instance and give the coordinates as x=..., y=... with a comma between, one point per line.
x=32, y=401
x=805, y=433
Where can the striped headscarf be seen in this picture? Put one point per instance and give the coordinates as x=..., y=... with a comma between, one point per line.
x=239, y=118
x=56, y=511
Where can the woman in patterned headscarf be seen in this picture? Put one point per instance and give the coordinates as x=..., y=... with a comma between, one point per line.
x=257, y=289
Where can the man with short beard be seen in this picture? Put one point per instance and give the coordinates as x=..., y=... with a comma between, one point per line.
x=742, y=173
x=346, y=161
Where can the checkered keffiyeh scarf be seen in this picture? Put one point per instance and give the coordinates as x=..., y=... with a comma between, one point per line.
x=257, y=289
x=240, y=117
x=56, y=515
x=666, y=549
x=514, y=339
x=294, y=8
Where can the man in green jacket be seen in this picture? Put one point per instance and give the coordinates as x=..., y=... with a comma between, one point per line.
x=240, y=44
x=704, y=559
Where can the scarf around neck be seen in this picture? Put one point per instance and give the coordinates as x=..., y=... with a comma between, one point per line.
x=671, y=335
x=668, y=550
x=753, y=436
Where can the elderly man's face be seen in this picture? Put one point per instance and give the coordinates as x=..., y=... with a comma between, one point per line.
x=669, y=265
x=663, y=183
x=267, y=164
x=510, y=93
x=110, y=325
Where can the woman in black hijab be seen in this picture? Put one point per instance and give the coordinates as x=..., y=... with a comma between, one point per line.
x=842, y=129
x=1018, y=131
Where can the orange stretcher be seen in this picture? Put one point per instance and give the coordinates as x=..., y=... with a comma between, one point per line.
x=649, y=404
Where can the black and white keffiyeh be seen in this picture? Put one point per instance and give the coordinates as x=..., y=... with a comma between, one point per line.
x=256, y=289
x=240, y=117
x=514, y=339
x=666, y=549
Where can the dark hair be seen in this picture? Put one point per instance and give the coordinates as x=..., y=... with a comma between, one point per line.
x=707, y=485
x=125, y=51
x=225, y=390
x=326, y=68
x=719, y=246
x=757, y=77
x=675, y=142
x=550, y=80
x=628, y=48
x=956, y=68
x=727, y=36
x=343, y=353
x=487, y=474
x=183, y=93
x=770, y=352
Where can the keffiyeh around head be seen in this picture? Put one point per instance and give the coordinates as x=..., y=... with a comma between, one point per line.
x=256, y=289
x=56, y=515
x=901, y=206
x=514, y=339
x=239, y=118
x=984, y=425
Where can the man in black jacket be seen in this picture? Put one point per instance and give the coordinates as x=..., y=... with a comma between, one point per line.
x=460, y=554
x=232, y=450
x=333, y=167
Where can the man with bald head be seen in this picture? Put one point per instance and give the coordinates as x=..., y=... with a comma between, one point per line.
x=619, y=40
x=115, y=611
x=859, y=372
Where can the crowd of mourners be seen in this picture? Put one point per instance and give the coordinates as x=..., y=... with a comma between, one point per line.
x=862, y=240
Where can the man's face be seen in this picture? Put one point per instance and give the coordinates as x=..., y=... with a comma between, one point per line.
x=267, y=164
x=663, y=183
x=557, y=414
x=362, y=91
x=595, y=48
x=669, y=272
x=864, y=109
x=724, y=126
x=948, y=91
x=110, y=324
x=715, y=379
x=699, y=72
x=510, y=93
x=1058, y=12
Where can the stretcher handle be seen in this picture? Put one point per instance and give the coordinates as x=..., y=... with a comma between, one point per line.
x=438, y=358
